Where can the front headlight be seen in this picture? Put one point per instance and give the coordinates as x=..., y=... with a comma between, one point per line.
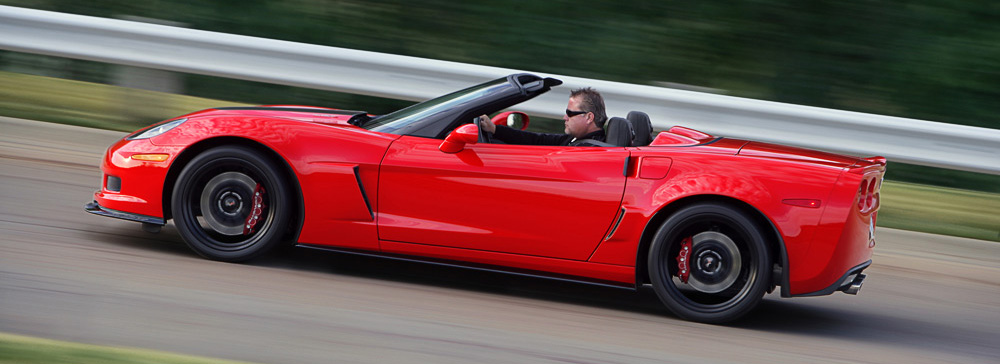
x=157, y=130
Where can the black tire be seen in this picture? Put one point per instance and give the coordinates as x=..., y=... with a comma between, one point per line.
x=728, y=266
x=224, y=181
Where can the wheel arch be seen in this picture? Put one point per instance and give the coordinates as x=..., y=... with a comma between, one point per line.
x=775, y=244
x=195, y=149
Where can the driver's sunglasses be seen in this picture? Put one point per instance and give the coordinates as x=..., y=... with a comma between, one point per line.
x=571, y=113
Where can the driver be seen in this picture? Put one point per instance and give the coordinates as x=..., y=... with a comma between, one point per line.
x=584, y=120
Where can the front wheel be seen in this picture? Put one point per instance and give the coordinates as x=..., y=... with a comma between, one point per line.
x=231, y=204
x=709, y=263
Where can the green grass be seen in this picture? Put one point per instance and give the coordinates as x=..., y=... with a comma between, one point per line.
x=92, y=105
x=28, y=350
x=940, y=210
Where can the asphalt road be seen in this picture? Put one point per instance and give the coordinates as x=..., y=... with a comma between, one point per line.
x=69, y=275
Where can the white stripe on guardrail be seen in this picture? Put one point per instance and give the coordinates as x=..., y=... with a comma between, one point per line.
x=409, y=78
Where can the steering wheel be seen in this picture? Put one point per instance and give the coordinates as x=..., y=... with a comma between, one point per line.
x=484, y=137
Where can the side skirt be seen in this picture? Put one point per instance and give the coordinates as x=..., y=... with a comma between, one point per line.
x=475, y=266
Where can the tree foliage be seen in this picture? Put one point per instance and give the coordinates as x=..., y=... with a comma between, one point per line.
x=925, y=59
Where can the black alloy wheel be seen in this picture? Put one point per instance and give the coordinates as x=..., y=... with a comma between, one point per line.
x=231, y=204
x=709, y=263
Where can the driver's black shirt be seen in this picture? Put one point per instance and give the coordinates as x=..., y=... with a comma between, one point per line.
x=515, y=136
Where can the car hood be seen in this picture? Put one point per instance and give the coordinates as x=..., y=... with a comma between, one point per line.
x=318, y=115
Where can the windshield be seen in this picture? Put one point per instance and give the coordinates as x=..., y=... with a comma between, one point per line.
x=390, y=123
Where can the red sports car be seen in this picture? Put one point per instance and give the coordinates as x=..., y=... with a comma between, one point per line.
x=711, y=223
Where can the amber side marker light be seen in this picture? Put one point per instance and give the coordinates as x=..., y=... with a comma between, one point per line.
x=802, y=202
x=150, y=157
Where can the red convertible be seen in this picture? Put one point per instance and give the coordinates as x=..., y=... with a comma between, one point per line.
x=711, y=223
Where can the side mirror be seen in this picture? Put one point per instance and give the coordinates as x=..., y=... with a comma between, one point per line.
x=456, y=140
x=513, y=119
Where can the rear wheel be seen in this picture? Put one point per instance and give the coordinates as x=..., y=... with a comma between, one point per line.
x=231, y=204
x=709, y=263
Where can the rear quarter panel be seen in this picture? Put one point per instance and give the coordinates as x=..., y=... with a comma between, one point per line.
x=758, y=181
x=845, y=236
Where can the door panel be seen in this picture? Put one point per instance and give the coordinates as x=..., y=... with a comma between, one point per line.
x=548, y=201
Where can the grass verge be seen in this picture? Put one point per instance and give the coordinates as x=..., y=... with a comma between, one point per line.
x=30, y=350
x=940, y=210
x=92, y=105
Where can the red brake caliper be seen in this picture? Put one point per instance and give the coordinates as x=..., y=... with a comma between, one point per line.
x=258, y=208
x=683, y=268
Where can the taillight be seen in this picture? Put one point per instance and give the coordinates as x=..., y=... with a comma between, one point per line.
x=862, y=195
x=871, y=194
x=868, y=194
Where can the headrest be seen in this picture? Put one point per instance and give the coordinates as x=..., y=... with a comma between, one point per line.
x=642, y=127
x=618, y=132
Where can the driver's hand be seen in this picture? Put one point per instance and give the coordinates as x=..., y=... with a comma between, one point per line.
x=486, y=124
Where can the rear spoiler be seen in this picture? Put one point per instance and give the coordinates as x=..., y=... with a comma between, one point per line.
x=877, y=160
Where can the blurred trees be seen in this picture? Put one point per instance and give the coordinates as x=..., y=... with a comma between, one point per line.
x=936, y=60
x=926, y=59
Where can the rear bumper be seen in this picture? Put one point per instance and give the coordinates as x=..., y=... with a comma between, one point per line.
x=844, y=242
x=849, y=283
x=96, y=209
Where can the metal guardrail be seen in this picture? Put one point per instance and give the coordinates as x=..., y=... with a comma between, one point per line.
x=409, y=78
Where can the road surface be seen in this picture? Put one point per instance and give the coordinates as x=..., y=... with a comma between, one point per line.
x=69, y=275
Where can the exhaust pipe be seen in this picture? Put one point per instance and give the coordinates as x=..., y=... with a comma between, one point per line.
x=855, y=286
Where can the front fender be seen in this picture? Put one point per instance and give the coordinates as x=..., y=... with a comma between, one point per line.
x=335, y=167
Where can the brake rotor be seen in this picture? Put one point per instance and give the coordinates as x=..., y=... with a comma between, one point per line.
x=714, y=262
x=227, y=201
